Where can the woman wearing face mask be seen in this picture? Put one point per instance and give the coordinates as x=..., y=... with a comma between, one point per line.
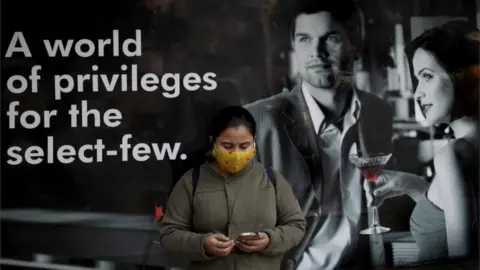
x=444, y=66
x=212, y=206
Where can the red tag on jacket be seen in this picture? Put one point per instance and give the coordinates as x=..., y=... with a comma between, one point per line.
x=158, y=212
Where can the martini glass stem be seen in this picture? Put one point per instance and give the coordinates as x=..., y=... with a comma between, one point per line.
x=375, y=222
x=375, y=218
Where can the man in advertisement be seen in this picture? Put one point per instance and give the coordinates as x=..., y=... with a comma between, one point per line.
x=307, y=134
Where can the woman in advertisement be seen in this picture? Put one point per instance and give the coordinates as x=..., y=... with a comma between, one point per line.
x=444, y=64
x=233, y=212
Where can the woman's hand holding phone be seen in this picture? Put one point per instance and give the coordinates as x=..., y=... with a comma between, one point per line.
x=218, y=245
x=252, y=242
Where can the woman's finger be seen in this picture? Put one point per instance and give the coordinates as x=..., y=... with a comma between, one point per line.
x=222, y=251
x=378, y=202
x=368, y=196
x=366, y=186
x=220, y=244
x=392, y=194
x=244, y=247
x=251, y=242
x=384, y=189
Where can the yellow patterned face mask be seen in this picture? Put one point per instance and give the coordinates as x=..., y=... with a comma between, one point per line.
x=233, y=161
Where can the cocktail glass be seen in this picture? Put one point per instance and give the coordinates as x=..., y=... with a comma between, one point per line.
x=371, y=167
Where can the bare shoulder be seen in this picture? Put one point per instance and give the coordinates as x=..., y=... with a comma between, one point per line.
x=459, y=152
x=445, y=154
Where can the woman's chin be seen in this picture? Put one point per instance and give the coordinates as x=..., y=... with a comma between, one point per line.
x=435, y=120
x=427, y=122
x=430, y=122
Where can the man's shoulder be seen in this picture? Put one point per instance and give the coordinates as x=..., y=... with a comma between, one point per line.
x=373, y=101
x=370, y=97
x=268, y=107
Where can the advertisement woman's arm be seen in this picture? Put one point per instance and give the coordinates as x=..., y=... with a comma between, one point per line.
x=454, y=193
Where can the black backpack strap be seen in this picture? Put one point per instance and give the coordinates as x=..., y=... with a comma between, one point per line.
x=271, y=176
x=195, y=178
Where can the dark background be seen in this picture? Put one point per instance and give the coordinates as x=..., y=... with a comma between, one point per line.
x=178, y=36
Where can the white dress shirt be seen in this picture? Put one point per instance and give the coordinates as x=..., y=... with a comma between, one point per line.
x=332, y=244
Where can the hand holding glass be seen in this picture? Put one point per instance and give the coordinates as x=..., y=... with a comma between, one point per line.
x=371, y=167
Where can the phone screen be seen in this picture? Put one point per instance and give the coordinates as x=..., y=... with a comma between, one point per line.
x=249, y=236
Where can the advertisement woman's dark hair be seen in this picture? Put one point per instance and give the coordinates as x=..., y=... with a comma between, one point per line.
x=231, y=116
x=455, y=46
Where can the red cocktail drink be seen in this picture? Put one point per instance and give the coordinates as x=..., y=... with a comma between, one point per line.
x=371, y=167
x=371, y=173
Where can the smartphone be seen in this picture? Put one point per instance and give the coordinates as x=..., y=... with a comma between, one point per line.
x=249, y=236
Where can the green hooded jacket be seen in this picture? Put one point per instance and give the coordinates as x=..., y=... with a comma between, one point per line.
x=244, y=202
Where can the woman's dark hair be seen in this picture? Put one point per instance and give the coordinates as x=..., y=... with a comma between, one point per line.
x=231, y=116
x=455, y=46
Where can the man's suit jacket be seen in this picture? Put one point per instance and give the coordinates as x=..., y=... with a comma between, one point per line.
x=285, y=140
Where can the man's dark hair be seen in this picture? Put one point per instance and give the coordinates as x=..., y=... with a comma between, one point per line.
x=341, y=10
